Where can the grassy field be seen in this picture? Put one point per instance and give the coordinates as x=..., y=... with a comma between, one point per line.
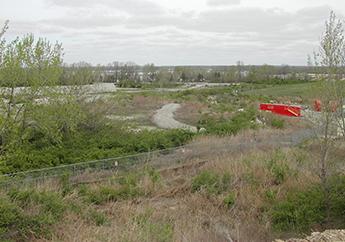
x=304, y=91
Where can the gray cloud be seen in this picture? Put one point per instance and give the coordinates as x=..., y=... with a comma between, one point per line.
x=223, y=2
x=138, y=7
x=144, y=31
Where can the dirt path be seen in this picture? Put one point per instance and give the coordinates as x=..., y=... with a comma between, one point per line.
x=164, y=118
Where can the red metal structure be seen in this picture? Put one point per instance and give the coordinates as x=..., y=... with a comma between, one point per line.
x=282, y=109
x=332, y=105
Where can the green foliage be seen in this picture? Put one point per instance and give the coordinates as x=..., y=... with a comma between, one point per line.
x=9, y=216
x=242, y=120
x=277, y=123
x=302, y=210
x=230, y=200
x=129, y=84
x=206, y=180
x=210, y=182
x=299, y=211
x=106, y=142
x=29, y=62
x=336, y=186
x=66, y=186
x=270, y=195
x=278, y=168
x=160, y=84
x=128, y=189
x=29, y=213
x=153, y=174
x=50, y=203
x=96, y=217
x=153, y=231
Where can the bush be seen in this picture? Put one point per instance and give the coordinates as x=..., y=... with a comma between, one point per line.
x=49, y=202
x=17, y=219
x=9, y=217
x=206, y=180
x=241, y=121
x=277, y=123
x=66, y=186
x=278, y=169
x=129, y=84
x=337, y=198
x=128, y=189
x=229, y=200
x=302, y=210
x=211, y=182
x=105, y=142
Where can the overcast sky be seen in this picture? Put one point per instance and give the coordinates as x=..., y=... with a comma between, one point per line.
x=175, y=32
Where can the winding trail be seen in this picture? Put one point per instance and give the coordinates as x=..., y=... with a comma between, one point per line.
x=164, y=118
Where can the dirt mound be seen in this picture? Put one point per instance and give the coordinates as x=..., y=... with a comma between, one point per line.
x=326, y=236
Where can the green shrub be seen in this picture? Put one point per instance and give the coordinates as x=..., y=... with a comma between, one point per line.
x=278, y=168
x=211, y=182
x=277, y=123
x=241, y=121
x=153, y=174
x=270, y=195
x=300, y=211
x=98, y=218
x=99, y=195
x=129, y=84
x=104, y=142
x=230, y=200
x=49, y=202
x=10, y=215
x=66, y=186
x=206, y=180
x=337, y=199
x=17, y=220
x=128, y=189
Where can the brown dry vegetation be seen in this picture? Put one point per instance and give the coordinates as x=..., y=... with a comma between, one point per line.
x=169, y=210
x=191, y=112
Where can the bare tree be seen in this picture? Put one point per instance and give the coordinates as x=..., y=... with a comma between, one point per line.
x=2, y=41
x=4, y=29
x=330, y=58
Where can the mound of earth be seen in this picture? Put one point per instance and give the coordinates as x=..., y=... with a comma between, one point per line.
x=326, y=236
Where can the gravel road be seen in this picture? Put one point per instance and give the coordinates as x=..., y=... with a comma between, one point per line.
x=164, y=118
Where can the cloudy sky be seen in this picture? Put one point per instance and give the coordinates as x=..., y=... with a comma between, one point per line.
x=175, y=32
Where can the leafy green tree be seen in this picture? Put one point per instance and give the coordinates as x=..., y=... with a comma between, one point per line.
x=81, y=73
x=29, y=70
x=150, y=72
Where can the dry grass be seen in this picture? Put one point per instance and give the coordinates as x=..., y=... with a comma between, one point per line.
x=191, y=112
x=170, y=211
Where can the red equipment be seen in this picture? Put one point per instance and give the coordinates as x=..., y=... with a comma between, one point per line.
x=282, y=109
x=332, y=106
x=317, y=105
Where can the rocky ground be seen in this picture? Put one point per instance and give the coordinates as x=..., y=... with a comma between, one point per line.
x=326, y=236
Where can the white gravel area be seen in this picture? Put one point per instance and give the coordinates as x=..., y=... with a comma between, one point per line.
x=164, y=118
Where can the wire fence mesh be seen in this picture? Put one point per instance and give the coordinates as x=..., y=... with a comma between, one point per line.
x=100, y=169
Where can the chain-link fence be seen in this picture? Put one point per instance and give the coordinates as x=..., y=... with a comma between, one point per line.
x=98, y=170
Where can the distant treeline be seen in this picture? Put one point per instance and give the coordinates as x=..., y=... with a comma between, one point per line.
x=131, y=75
